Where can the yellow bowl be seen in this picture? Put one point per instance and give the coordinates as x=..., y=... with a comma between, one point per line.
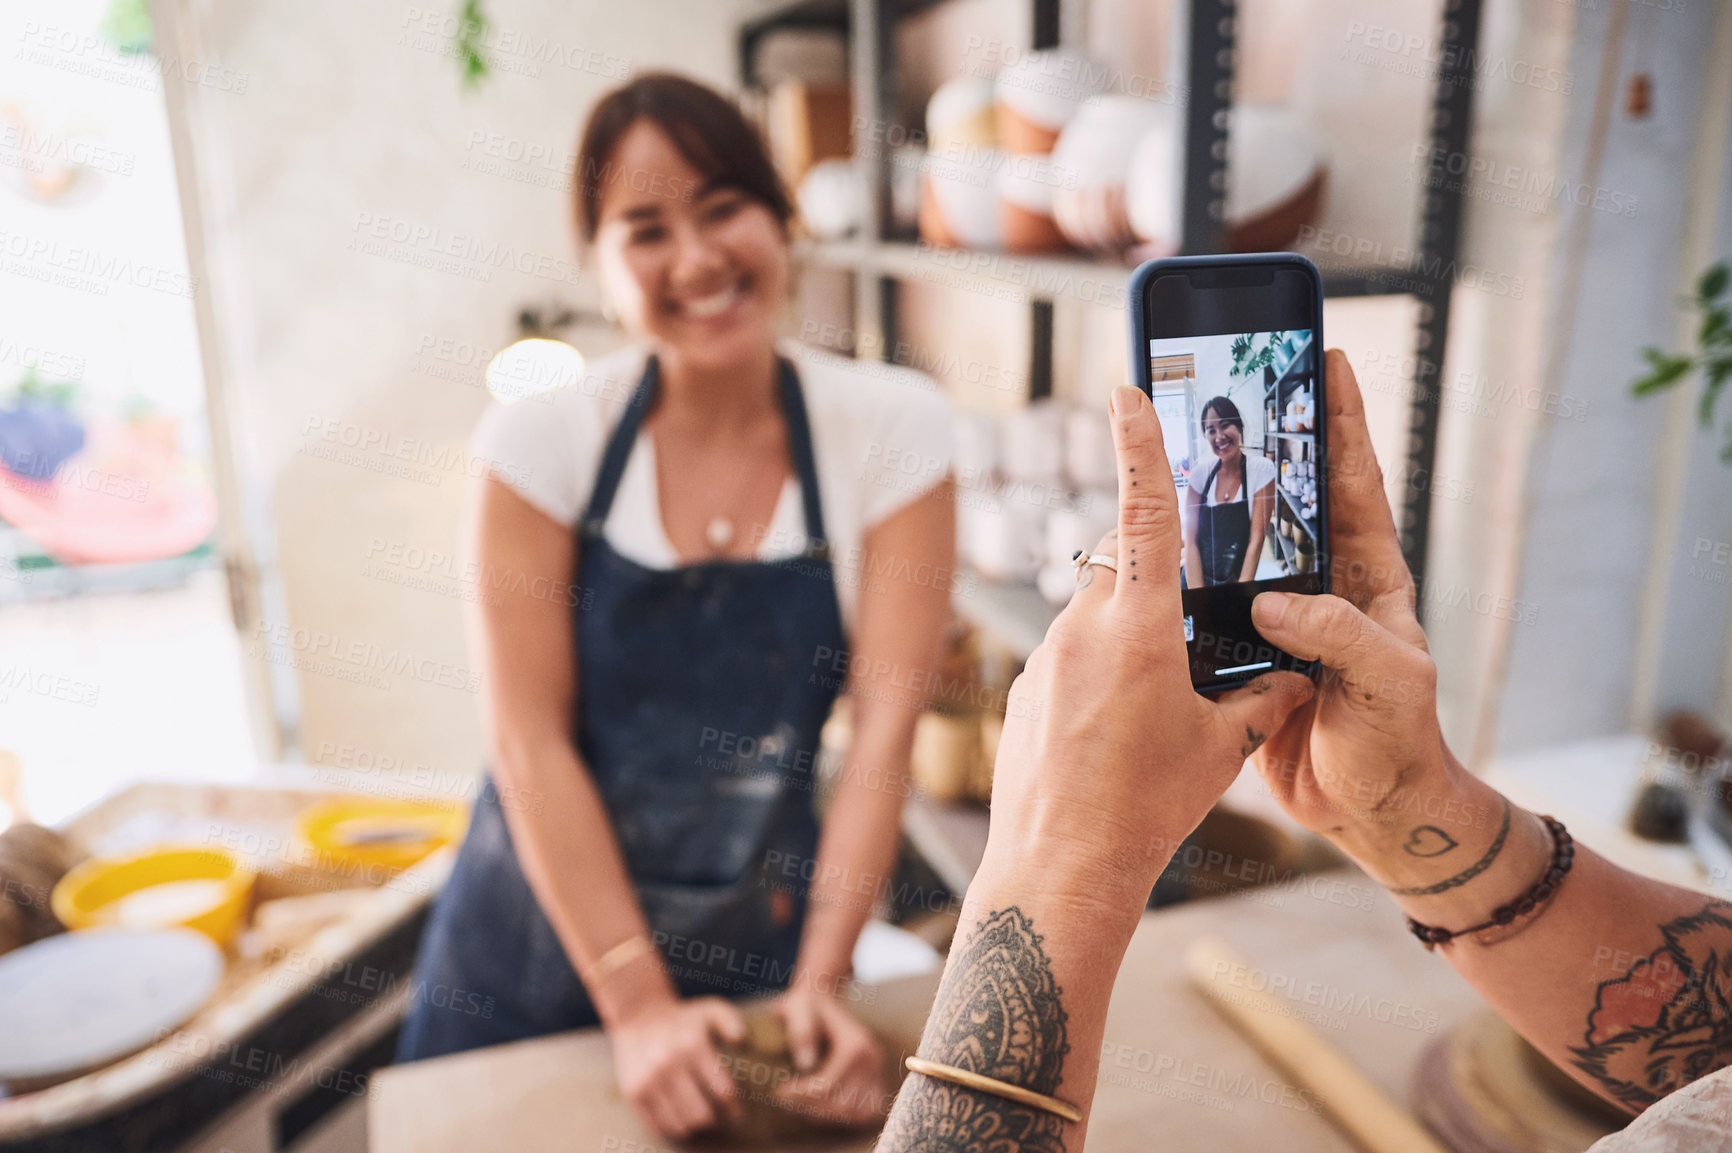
x=161, y=888
x=376, y=834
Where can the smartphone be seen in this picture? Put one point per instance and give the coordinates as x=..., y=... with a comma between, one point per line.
x=1230, y=350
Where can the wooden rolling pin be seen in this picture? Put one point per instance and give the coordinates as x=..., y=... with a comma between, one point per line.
x=1357, y=1106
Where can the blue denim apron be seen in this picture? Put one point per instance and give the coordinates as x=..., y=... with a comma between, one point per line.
x=701, y=691
x=1224, y=531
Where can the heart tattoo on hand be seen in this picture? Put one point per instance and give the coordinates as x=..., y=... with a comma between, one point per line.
x=1429, y=841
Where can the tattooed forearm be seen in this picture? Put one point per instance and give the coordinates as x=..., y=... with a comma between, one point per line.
x=999, y=1014
x=1668, y=1020
x=1428, y=841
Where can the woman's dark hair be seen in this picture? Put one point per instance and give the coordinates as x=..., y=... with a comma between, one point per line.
x=706, y=127
x=1229, y=414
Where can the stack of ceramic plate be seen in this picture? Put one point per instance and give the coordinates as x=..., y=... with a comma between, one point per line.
x=78, y=1001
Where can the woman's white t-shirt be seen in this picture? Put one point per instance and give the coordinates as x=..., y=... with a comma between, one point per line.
x=1259, y=473
x=881, y=437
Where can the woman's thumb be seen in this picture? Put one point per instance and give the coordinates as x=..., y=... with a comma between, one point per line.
x=803, y=1033
x=725, y=1021
x=1258, y=710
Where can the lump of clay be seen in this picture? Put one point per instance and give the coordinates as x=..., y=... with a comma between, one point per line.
x=32, y=860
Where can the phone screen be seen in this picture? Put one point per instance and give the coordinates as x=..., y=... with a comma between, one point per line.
x=1235, y=373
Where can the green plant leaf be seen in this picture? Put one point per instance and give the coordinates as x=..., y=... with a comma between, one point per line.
x=472, y=26
x=1712, y=283
x=1245, y=361
x=1717, y=374
x=1716, y=327
x=127, y=25
x=1664, y=370
x=33, y=386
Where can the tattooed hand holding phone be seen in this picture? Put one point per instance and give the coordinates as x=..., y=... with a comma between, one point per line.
x=1623, y=981
x=1109, y=760
x=1620, y=980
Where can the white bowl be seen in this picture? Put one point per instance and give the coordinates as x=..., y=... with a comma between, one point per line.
x=1039, y=92
x=832, y=199
x=961, y=115
x=1093, y=158
x=1274, y=159
x=959, y=199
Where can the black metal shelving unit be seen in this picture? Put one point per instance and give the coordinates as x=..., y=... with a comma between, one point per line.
x=1440, y=240
x=1299, y=449
x=879, y=263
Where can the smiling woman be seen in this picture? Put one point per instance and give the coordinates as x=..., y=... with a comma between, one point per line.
x=1229, y=508
x=710, y=498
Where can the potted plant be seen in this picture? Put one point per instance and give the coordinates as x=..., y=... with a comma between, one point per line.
x=1713, y=354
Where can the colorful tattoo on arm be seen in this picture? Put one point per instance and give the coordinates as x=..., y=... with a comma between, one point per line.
x=1668, y=1020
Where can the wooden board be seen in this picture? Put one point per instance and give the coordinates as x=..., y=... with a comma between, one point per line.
x=1332, y=945
x=535, y=1095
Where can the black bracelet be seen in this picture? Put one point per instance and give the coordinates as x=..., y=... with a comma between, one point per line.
x=1563, y=856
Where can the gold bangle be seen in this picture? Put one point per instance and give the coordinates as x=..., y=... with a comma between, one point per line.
x=970, y=1080
x=618, y=958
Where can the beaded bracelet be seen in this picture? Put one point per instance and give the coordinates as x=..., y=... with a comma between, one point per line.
x=1563, y=856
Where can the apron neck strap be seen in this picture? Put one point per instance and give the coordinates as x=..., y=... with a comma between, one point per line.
x=1244, y=478
x=619, y=446
x=624, y=436
x=804, y=461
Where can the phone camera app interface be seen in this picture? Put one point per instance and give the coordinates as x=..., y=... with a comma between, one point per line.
x=1239, y=414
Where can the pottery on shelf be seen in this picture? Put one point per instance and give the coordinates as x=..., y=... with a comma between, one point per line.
x=1039, y=93
x=1026, y=185
x=832, y=198
x=1090, y=459
x=959, y=200
x=1093, y=157
x=1276, y=185
x=975, y=435
x=962, y=116
x=1032, y=442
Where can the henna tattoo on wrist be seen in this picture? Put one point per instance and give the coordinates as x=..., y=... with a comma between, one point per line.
x=998, y=1013
x=1668, y=1020
x=1466, y=874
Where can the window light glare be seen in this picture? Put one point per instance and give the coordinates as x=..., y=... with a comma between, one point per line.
x=531, y=367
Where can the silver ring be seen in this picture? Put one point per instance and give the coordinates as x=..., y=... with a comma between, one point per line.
x=1081, y=560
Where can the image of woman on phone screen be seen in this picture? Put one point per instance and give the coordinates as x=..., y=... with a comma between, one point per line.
x=1229, y=503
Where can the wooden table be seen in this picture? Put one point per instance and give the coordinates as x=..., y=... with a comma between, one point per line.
x=1174, y=1075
